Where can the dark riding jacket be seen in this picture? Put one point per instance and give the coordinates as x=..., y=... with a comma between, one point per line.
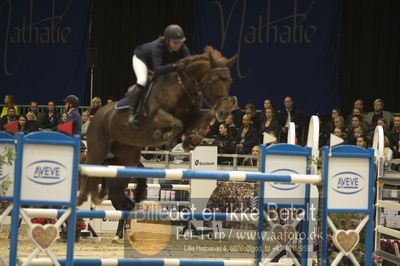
x=158, y=57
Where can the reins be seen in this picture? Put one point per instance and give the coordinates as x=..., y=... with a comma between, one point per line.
x=194, y=84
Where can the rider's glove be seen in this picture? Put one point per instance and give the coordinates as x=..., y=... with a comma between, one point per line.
x=180, y=67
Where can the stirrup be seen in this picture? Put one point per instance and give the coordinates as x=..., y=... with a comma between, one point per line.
x=132, y=119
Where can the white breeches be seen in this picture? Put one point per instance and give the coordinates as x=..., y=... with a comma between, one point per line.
x=141, y=71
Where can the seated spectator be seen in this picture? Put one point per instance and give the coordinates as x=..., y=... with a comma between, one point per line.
x=356, y=111
x=341, y=133
x=290, y=114
x=372, y=117
x=64, y=117
x=31, y=123
x=254, y=116
x=268, y=104
x=247, y=137
x=225, y=143
x=95, y=105
x=387, y=151
x=22, y=124
x=396, y=136
x=50, y=117
x=10, y=117
x=330, y=125
x=8, y=103
x=110, y=99
x=338, y=122
x=34, y=108
x=357, y=132
x=269, y=123
x=85, y=123
x=361, y=142
x=356, y=122
x=180, y=148
x=382, y=122
x=232, y=129
x=236, y=111
x=255, y=151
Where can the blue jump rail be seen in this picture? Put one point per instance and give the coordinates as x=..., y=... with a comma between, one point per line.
x=179, y=174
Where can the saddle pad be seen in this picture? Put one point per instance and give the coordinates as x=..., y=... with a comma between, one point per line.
x=122, y=104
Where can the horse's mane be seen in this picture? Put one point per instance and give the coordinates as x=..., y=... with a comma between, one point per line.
x=204, y=57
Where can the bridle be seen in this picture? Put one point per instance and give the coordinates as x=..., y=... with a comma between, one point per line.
x=205, y=86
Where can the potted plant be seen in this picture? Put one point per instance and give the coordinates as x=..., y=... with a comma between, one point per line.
x=79, y=226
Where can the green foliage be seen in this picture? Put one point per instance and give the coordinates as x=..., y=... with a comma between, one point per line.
x=7, y=158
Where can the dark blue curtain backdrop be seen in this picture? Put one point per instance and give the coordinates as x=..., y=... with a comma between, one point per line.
x=285, y=48
x=43, y=49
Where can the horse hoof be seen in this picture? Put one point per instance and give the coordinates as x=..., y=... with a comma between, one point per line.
x=80, y=200
x=115, y=240
x=157, y=134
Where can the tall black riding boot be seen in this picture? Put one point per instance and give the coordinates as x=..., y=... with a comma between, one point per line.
x=134, y=100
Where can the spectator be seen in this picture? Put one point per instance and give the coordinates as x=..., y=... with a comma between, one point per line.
x=247, y=137
x=232, y=129
x=235, y=111
x=341, y=133
x=85, y=123
x=269, y=123
x=254, y=116
x=359, y=104
x=64, y=117
x=110, y=99
x=268, y=104
x=8, y=103
x=372, y=117
x=330, y=125
x=255, y=151
x=291, y=114
x=31, y=122
x=34, y=108
x=95, y=105
x=356, y=122
x=357, y=132
x=22, y=124
x=361, y=142
x=396, y=136
x=387, y=151
x=356, y=111
x=338, y=122
x=10, y=117
x=180, y=148
x=225, y=143
x=50, y=118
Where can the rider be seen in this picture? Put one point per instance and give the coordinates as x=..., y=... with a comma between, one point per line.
x=160, y=56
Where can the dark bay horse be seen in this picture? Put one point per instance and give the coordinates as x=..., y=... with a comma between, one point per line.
x=172, y=109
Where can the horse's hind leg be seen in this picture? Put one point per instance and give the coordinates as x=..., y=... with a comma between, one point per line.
x=164, y=120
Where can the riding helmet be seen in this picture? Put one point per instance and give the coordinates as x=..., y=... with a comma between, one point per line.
x=174, y=33
x=73, y=100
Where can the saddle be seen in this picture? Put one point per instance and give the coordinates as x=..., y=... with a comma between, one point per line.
x=124, y=102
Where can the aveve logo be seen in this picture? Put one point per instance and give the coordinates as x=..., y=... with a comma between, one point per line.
x=46, y=172
x=284, y=185
x=347, y=183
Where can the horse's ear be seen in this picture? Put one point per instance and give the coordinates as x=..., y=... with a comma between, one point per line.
x=212, y=60
x=231, y=61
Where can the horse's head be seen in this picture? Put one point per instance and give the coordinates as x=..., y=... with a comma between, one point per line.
x=216, y=83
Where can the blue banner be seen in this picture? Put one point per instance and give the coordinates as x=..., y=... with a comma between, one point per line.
x=43, y=49
x=285, y=48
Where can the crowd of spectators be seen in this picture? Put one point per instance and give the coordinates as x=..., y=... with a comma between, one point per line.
x=242, y=131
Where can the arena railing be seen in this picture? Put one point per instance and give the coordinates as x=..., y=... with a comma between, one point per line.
x=166, y=161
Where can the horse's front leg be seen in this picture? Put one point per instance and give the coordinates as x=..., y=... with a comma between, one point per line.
x=164, y=120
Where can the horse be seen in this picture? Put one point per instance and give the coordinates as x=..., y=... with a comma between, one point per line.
x=173, y=108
